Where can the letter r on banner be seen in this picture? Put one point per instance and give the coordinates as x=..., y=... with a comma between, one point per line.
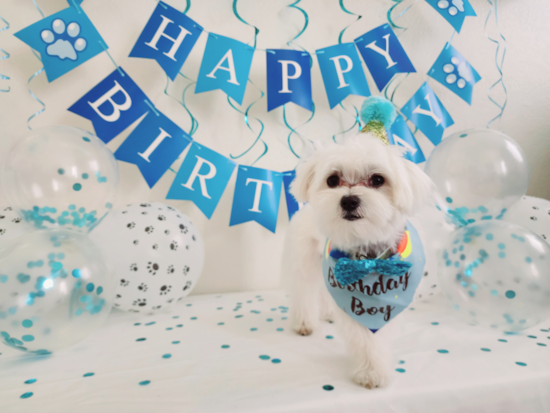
x=202, y=178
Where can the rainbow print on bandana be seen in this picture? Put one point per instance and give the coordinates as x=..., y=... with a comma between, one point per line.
x=404, y=249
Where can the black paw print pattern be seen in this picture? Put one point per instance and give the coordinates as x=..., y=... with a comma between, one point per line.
x=145, y=205
x=133, y=267
x=124, y=282
x=136, y=242
x=142, y=287
x=170, y=269
x=8, y=209
x=2, y=216
x=536, y=208
x=152, y=267
x=170, y=208
x=155, y=246
x=141, y=302
x=165, y=289
x=157, y=307
x=533, y=218
x=124, y=212
x=131, y=225
x=183, y=229
x=149, y=229
x=193, y=238
x=185, y=270
x=167, y=232
x=118, y=296
x=187, y=286
x=16, y=220
x=2, y=231
x=174, y=246
x=169, y=301
x=162, y=218
x=144, y=213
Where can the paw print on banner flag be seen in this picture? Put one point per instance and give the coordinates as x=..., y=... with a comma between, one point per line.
x=454, y=11
x=63, y=41
x=453, y=71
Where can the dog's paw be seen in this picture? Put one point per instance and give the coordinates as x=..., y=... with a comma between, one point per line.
x=372, y=378
x=302, y=328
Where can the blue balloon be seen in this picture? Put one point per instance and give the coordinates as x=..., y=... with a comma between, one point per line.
x=43, y=305
x=479, y=174
x=497, y=275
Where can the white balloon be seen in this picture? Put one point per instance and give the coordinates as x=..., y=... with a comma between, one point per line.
x=531, y=213
x=157, y=254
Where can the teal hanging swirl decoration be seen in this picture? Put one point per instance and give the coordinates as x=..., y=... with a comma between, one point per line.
x=356, y=116
x=389, y=13
x=33, y=76
x=245, y=113
x=294, y=130
x=6, y=55
x=499, y=66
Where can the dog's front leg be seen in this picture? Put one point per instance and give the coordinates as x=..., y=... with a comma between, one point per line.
x=371, y=358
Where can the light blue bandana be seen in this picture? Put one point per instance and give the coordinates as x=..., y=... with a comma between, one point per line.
x=374, y=291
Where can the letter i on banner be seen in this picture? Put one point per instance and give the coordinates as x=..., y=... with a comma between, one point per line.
x=153, y=146
x=292, y=205
x=112, y=105
x=288, y=78
x=400, y=134
x=257, y=196
x=342, y=72
x=225, y=65
x=427, y=112
x=202, y=178
x=383, y=55
x=168, y=37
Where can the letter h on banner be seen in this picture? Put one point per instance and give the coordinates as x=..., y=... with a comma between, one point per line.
x=202, y=178
x=168, y=37
x=257, y=196
x=112, y=105
x=288, y=78
x=383, y=55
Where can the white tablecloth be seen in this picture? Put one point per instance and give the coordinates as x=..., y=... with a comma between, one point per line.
x=204, y=356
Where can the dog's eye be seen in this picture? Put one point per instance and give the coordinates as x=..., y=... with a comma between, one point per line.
x=333, y=181
x=377, y=181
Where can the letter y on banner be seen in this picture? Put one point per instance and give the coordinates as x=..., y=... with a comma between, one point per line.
x=202, y=178
x=256, y=198
x=400, y=134
x=168, y=37
x=112, y=105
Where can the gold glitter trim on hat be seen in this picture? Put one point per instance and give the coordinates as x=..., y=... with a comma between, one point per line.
x=378, y=129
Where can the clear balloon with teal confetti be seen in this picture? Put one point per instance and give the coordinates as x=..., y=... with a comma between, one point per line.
x=497, y=275
x=61, y=177
x=55, y=290
x=479, y=174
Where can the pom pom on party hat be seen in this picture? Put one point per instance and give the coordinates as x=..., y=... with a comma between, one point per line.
x=378, y=114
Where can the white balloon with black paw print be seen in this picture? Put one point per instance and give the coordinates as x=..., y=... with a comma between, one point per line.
x=12, y=225
x=157, y=254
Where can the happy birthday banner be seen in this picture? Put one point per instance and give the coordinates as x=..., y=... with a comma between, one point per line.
x=67, y=39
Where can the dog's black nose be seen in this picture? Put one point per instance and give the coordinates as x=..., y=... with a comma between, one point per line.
x=350, y=203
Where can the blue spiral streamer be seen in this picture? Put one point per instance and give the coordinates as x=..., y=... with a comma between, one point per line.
x=236, y=13
x=494, y=6
x=6, y=54
x=359, y=17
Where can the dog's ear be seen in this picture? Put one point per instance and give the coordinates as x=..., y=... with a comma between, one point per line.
x=413, y=188
x=305, y=172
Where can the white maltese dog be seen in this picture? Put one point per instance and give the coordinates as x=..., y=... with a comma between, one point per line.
x=359, y=194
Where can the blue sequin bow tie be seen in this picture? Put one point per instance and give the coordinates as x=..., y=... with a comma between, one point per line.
x=348, y=271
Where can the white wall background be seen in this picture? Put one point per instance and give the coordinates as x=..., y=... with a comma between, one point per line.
x=246, y=257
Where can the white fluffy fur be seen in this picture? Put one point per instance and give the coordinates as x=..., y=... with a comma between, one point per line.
x=383, y=212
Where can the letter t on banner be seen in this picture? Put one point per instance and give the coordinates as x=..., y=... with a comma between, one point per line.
x=257, y=196
x=168, y=37
x=202, y=178
x=112, y=105
x=383, y=55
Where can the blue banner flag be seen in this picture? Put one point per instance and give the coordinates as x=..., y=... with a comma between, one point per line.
x=454, y=11
x=288, y=78
x=383, y=55
x=153, y=146
x=168, y=37
x=64, y=40
x=256, y=198
x=400, y=134
x=225, y=65
x=292, y=205
x=75, y=2
x=453, y=71
x=202, y=178
x=342, y=72
x=112, y=105
x=429, y=115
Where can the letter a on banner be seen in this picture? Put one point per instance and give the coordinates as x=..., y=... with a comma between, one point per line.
x=342, y=72
x=383, y=55
x=112, y=105
x=256, y=198
x=288, y=78
x=202, y=178
x=427, y=112
x=153, y=146
x=225, y=65
x=168, y=37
